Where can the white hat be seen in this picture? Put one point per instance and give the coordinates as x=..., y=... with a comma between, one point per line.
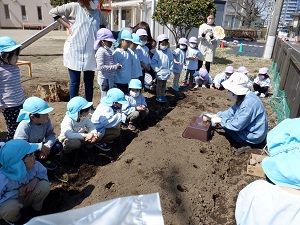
x=237, y=83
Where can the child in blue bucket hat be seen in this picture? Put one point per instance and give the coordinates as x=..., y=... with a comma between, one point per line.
x=108, y=116
x=11, y=91
x=23, y=180
x=136, y=72
x=136, y=110
x=275, y=202
x=77, y=130
x=36, y=127
x=122, y=56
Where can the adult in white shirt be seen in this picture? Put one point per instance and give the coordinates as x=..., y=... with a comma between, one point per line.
x=276, y=202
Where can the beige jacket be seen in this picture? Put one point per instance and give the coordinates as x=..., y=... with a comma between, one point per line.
x=207, y=46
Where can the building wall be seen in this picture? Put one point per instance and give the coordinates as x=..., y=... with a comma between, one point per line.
x=16, y=20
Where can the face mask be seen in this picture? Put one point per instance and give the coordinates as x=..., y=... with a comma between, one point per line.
x=134, y=94
x=182, y=46
x=116, y=108
x=153, y=50
x=163, y=47
x=231, y=95
x=93, y=5
x=193, y=45
x=143, y=43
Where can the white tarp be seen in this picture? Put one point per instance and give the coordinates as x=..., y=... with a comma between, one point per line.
x=133, y=210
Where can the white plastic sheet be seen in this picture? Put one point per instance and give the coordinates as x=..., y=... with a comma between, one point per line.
x=133, y=210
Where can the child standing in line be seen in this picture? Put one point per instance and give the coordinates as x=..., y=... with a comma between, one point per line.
x=136, y=109
x=36, y=127
x=144, y=53
x=77, y=130
x=262, y=82
x=221, y=77
x=136, y=72
x=202, y=79
x=179, y=60
x=104, y=59
x=162, y=64
x=122, y=56
x=108, y=116
x=191, y=58
x=11, y=93
x=23, y=181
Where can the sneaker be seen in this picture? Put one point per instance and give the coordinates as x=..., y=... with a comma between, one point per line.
x=131, y=127
x=160, y=99
x=175, y=88
x=256, y=92
x=196, y=86
x=262, y=95
x=203, y=86
x=103, y=147
x=184, y=84
x=164, y=98
x=49, y=165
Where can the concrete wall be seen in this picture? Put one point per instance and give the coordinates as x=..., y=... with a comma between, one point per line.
x=16, y=20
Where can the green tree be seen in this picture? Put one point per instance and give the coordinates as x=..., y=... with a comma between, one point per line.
x=55, y=3
x=181, y=16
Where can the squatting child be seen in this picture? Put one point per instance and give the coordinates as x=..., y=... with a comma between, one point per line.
x=36, y=127
x=136, y=109
x=23, y=180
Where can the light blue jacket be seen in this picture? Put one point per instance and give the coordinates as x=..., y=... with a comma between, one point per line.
x=220, y=78
x=105, y=117
x=192, y=64
x=133, y=103
x=179, y=56
x=249, y=120
x=9, y=188
x=136, y=71
x=144, y=54
x=162, y=64
x=123, y=75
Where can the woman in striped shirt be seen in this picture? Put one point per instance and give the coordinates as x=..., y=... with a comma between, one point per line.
x=11, y=93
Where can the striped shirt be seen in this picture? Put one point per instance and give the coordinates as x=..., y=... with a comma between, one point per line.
x=105, y=63
x=11, y=92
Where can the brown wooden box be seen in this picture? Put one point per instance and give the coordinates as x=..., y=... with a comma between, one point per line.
x=198, y=129
x=255, y=170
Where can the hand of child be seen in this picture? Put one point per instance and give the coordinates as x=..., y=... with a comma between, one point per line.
x=89, y=136
x=258, y=82
x=44, y=152
x=139, y=108
x=95, y=137
x=218, y=87
x=22, y=191
x=31, y=185
x=119, y=66
x=144, y=107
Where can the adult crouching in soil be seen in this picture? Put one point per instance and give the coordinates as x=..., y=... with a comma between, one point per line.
x=246, y=121
x=79, y=55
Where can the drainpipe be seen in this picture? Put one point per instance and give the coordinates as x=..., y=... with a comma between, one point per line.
x=153, y=4
x=120, y=18
x=273, y=30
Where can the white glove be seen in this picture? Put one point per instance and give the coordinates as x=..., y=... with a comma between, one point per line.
x=216, y=119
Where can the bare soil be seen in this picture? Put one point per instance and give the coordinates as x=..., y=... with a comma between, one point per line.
x=198, y=182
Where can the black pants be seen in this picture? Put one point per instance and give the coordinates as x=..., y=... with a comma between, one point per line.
x=260, y=89
x=10, y=116
x=207, y=65
x=123, y=87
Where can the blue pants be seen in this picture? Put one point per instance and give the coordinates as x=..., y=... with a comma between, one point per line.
x=234, y=135
x=88, y=78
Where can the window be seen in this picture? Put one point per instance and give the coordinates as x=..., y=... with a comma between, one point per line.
x=6, y=10
x=23, y=12
x=39, y=11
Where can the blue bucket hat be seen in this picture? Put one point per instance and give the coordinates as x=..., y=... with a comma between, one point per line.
x=75, y=105
x=135, y=84
x=7, y=44
x=114, y=95
x=136, y=39
x=125, y=35
x=33, y=105
x=11, y=155
x=283, y=165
